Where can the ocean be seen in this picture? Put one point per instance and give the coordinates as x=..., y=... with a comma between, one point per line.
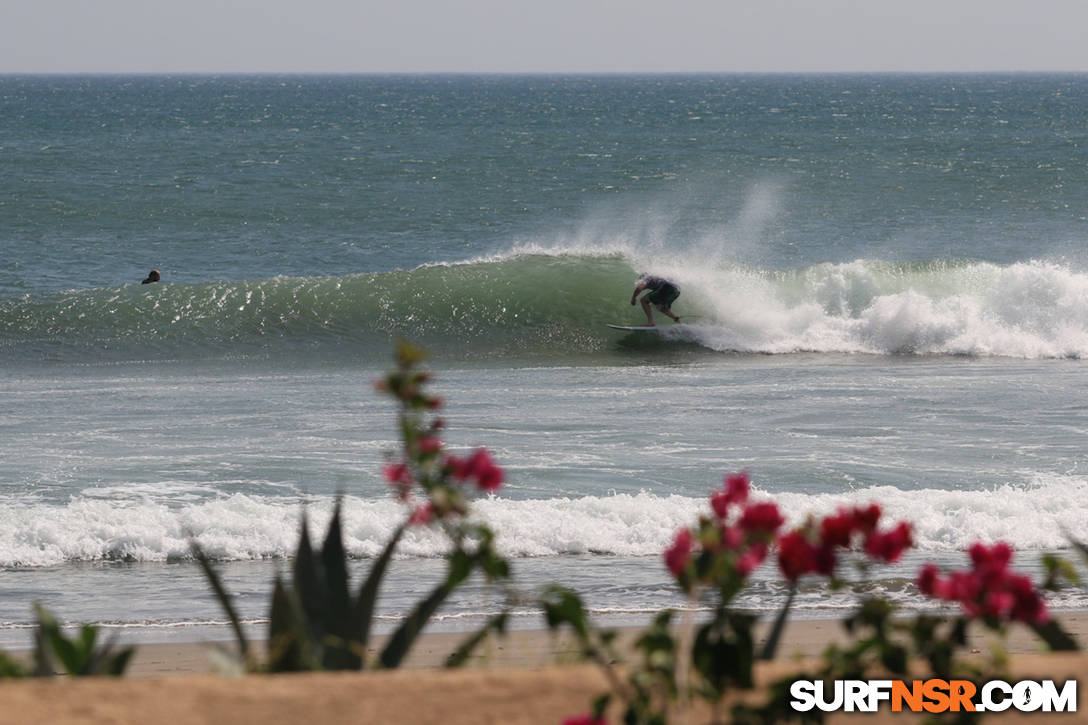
x=884, y=283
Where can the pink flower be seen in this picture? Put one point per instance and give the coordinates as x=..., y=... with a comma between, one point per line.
x=826, y=560
x=733, y=491
x=750, y=560
x=479, y=466
x=927, y=579
x=1028, y=605
x=995, y=557
x=837, y=529
x=421, y=515
x=430, y=444
x=889, y=546
x=736, y=487
x=732, y=538
x=584, y=720
x=677, y=555
x=796, y=555
x=865, y=519
x=761, y=518
x=719, y=502
x=988, y=589
x=399, y=475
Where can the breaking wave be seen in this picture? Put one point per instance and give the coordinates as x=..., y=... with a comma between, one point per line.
x=556, y=305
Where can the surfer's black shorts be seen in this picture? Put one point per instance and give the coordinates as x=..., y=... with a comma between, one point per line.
x=664, y=295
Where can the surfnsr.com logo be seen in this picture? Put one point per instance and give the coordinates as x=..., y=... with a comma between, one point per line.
x=933, y=696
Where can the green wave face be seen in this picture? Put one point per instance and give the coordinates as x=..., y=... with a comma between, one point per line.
x=527, y=305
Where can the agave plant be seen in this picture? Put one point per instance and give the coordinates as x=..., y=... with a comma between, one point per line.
x=317, y=622
x=78, y=656
x=81, y=655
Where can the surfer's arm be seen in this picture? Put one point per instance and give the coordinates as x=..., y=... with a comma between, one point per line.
x=638, y=288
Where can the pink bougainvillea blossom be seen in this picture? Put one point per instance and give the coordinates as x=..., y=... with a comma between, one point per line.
x=736, y=536
x=399, y=475
x=763, y=517
x=430, y=444
x=584, y=720
x=989, y=589
x=813, y=549
x=678, y=555
x=478, y=466
x=422, y=515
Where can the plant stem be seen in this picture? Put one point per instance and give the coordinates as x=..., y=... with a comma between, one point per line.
x=683, y=659
x=779, y=624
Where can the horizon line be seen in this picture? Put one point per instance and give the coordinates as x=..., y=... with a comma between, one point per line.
x=540, y=72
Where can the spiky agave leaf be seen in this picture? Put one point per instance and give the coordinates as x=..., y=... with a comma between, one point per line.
x=79, y=656
x=308, y=583
x=224, y=598
x=368, y=592
x=461, y=565
x=466, y=648
x=289, y=645
x=341, y=647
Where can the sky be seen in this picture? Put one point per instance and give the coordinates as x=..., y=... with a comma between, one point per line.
x=543, y=36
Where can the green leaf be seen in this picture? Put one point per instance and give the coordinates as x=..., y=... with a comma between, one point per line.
x=409, y=355
x=600, y=705
x=10, y=667
x=78, y=656
x=1056, y=638
x=43, y=652
x=1081, y=547
x=771, y=646
x=342, y=624
x=104, y=660
x=288, y=640
x=1058, y=570
x=894, y=657
x=119, y=662
x=466, y=648
x=308, y=581
x=562, y=606
x=87, y=637
x=334, y=561
x=401, y=641
x=53, y=643
x=368, y=594
x=223, y=596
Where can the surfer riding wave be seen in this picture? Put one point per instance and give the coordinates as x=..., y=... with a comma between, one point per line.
x=662, y=294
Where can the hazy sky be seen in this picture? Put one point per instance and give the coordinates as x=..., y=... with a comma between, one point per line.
x=146, y=36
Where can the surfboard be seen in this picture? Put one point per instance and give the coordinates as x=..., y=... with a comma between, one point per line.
x=635, y=328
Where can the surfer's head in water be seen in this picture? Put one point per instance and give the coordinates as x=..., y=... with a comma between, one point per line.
x=662, y=294
x=152, y=276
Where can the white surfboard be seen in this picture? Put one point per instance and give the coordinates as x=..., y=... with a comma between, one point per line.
x=636, y=328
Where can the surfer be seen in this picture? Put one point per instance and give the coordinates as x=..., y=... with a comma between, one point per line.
x=662, y=294
x=152, y=276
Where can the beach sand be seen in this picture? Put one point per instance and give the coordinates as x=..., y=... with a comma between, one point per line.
x=521, y=649
x=527, y=677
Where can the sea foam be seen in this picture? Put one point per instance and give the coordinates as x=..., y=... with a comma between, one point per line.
x=1040, y=515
